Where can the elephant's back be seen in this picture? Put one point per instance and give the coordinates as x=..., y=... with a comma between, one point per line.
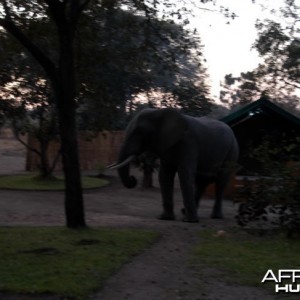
x=215, y=141
x=211, y=130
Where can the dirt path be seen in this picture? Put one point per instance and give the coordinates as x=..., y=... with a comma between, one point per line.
x=162, y=272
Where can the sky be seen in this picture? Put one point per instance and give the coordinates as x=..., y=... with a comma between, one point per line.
x=227, y=47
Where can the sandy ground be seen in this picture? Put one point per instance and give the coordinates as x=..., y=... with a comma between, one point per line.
x=162, y=272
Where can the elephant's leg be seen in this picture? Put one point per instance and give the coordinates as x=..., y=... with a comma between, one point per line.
x=188, y=191
x=166, y=181
x=199, y=191
x=217, y=212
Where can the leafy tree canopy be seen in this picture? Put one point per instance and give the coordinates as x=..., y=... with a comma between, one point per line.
x=122, y=48
x=278, y=76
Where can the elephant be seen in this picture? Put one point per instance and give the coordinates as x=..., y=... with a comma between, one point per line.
x=200, y=149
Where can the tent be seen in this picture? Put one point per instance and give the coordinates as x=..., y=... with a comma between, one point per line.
x=264, y=120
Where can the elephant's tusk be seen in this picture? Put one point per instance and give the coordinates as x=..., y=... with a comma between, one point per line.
x=122, y=163
x=111, y=166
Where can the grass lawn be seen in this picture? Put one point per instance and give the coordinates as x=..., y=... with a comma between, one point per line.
x=33, y=182
x=65, y=262
x=246, y=258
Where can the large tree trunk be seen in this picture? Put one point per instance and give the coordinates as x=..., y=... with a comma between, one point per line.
x=65, y=14
x=74, y=207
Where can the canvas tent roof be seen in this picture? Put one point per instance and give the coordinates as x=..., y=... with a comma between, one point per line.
x=263, y=105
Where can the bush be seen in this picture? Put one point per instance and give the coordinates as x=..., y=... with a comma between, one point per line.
x=272, y=198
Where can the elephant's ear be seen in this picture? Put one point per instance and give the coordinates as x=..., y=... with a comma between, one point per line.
x=172, y=128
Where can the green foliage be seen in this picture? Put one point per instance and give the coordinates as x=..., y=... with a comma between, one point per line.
x=245, y=258
x=240, y=90
x=278, y=75
x=118, y=53
x=71, y=264
x=33, y=182
x=157, y=57
x=272, y=153
x=276, y=185
x=148, y=160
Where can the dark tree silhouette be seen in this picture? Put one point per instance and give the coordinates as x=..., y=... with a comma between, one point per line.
x=60, y=71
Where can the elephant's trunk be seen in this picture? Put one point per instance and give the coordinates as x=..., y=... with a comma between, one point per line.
x=125, y=157
x=123, y=170
x=128, y=180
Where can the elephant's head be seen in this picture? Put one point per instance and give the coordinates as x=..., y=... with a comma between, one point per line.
x=154, y=130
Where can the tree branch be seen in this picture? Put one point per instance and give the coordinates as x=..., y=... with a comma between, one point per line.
x=9, y=25
x=66, y=12
x=292, y=84
x=17, y=136
x=7, y=10
x=54, y=162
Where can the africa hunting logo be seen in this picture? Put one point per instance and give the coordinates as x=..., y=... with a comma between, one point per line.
x=286, y=281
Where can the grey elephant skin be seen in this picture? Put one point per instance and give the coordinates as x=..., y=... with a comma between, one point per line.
x=201, y=150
